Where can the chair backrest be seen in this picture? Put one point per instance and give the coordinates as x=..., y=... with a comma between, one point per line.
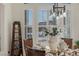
x=28, y=42
x=32, y=52
x=68, y=41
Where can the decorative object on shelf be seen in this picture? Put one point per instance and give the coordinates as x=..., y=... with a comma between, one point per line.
x=16, y=48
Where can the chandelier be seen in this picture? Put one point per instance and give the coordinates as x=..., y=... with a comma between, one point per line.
x=58, y=11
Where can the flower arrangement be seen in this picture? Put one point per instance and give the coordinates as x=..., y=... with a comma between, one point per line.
x=54, y=32
x=53, y=37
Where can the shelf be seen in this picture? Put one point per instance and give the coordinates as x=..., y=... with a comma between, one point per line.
x=16, y=48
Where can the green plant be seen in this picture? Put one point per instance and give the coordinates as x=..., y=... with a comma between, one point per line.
x=53, y=33
x=77, y=43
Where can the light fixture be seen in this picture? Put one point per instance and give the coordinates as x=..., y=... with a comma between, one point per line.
x=64, y=14
x=57, y=17
x=58, y=11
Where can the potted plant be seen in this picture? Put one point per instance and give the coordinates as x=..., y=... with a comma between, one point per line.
x=77, y=44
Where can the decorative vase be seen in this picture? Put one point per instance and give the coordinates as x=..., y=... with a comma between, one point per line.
x=53, y=42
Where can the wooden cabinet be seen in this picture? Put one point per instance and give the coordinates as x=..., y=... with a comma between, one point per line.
x=16, y=48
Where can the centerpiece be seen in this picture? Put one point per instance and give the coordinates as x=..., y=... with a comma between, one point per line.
x=53, y=39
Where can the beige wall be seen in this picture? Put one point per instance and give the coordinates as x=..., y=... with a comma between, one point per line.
x=75, y=21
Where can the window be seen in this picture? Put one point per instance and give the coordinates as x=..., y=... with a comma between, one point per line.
x=67, y=25
x=28, y=24
x=42, y=22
